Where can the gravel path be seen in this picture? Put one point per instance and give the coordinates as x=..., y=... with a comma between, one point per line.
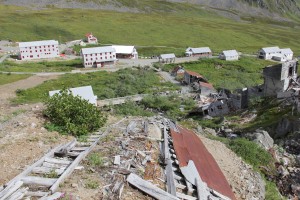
x=245, y=183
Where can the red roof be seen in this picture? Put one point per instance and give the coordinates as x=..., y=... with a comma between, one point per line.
x=207, y=85
x=188, y=146
x=194, y=74
x=88, y=34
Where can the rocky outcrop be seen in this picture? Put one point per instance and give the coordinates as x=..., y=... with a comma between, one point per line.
x=262, y=138
x=286, y=126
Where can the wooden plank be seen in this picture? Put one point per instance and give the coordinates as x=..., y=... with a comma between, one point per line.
x=57, y=161
x=149, y=188
x=64, y=150
x=171, y=188
x=54, y=196
x=179, y=178
x=72, y=166
x=202, y=191
x=79, y=149
x=34, y=180
x=36, y=194
x=187, y=197
x=29, y=169
x=19, y=194
x=166, y=146
x=10, y=189
x=55, y=166
x=117, y=160
x=46, y=170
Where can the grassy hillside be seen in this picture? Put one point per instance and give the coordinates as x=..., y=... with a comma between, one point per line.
x=105, y=84
x=228, y=74
x=190, y=27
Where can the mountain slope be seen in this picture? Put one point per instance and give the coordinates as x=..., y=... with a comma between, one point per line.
x=270, y=8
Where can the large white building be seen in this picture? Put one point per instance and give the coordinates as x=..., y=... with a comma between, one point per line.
x=98, y=56
x=127, y=52
x=38, y=49
x=275, y=53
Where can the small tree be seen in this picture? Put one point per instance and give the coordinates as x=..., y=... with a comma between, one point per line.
x=72, y=114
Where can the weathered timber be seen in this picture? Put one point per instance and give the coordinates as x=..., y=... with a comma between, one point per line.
x=79, y=148
x=29, y=169
x=171, y=188
x=54, y=196
x=184, y=196
x=34, y=180
x=10, y=189
x=166, y=146
x=72, y=166
x=54, y=166
x=57, y=161
x=36, y=194
x=65, y=148
x=149, y=188
x=117, y=160
x=46, y=170
x=19, y=194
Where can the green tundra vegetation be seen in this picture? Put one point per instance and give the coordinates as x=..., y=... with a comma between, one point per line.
x=176, y=25
x=228, y=74
x=43, y=66
x=72, y=115
x=105, y=84
x=9, y=78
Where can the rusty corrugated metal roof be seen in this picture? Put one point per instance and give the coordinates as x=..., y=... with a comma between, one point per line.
x=194, y=74
x=188, y=146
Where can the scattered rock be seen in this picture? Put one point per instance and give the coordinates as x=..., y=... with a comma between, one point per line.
x=33, y=125
x=210, y=131
x=262, y=138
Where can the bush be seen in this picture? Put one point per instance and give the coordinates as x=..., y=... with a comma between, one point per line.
x=73, y=115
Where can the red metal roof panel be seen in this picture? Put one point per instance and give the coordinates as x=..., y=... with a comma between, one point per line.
x=188, y=146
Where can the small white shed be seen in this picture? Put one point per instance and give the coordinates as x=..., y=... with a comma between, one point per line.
x=85, y=92
x=229, y=55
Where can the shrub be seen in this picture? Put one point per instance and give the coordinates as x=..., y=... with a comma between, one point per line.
x=72, y=114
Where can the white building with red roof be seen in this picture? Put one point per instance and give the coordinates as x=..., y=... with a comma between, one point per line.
x=91, y=39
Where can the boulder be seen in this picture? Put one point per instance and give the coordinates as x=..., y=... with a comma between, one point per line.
x=210, y=131
x=283, y=128
x=262, y=138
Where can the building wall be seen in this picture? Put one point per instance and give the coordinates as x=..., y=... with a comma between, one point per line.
x=39, y=52
x=231, y=57
x=272, y=86
x=218, y=108
x=90, y=60
x=187, y=78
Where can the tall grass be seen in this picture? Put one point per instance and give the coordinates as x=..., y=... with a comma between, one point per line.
x=181, y=27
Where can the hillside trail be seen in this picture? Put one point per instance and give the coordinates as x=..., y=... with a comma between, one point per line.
x=7, y=91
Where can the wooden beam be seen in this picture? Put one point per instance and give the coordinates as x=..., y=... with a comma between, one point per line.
x=149, y=188
x=36, y=194
x=187, y=197
x=72, y=166
x=29, y=169
x=46, y=170
x=10, y=189
x=34, y=180
x=171, y=188
x=166, y=146
x=54, y=196
x=57, y=161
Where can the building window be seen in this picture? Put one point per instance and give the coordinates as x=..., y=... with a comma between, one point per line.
x=38, y=55
x=52, y=45
x=100, y=54
x=30, y=51
x=31, y=56
x=86, y=59
x=35, y=50
x=105, y=57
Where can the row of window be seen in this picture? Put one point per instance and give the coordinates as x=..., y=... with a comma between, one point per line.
x=100, y=58
x=37, y=51
x=31, y=56
x=39, y=47
x=99, y=54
